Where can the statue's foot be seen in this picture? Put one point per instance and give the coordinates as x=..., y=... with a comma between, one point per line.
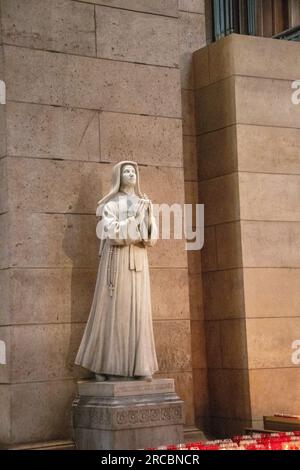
x=100, y=377
x=118, y=378
x=147, y=378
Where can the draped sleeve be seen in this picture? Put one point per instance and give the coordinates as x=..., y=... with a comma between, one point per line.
x=119, y=232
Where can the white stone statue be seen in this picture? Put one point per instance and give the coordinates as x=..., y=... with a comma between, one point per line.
x=118, y=342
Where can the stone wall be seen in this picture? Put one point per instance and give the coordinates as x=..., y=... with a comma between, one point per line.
x=89, y=83
x=249, y=167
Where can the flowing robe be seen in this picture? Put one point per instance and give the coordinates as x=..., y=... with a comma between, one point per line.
x=118, y=338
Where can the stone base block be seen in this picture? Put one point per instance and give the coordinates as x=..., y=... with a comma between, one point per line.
x=127, y=415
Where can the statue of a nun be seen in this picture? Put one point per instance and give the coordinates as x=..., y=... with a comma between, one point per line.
x=118, y=342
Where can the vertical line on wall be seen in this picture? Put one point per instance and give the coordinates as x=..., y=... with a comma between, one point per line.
x=99, y=133
x=95, y=23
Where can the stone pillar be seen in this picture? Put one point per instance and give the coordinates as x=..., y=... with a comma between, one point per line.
x=127, y=415
x=248, y=149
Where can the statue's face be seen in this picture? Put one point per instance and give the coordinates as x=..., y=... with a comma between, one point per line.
x=128, y=176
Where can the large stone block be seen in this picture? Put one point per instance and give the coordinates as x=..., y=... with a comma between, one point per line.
x=159, y=7
x=190, y=158
x=173, y=345
x=5, y=241
x=3, y=186
x=201, y=68
x=265, y=102
x=146, y=139
x=192, y=38
x=214, y=113
x=3, y=146
x=234, y=385
x=195, y=6
x=269, y=150
x=5, y=318
x=53, y=240
x=168, y=254
x=217, y=153
x=274, y=391
x=229, y=245
x=234, y=344
x=45, y=352
x=269, y=197
x=223, y=428
x=201, y=395
x=32, y=76
x=194, y=261
x=223, y=294
x=269, y=342
x=271, y=244
x=5, y=411
x=35, y=296
x=188, y=112
x=40, y=411
x=213, y=344
x=166, y=305
x=271, y=292
x=196, y=297
x=209, y=253
x=183, y=387
x=52, y=132
x=198, y=344
x=59, y=25
x=253, y=56
x=40, y=185
x=220, y=197
x=6, y=354
x=117, y=31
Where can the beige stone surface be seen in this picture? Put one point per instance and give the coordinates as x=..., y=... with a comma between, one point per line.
x=160, y=7
x=201, y=395
x=234, y=344
x=59, y=25
x=45, y=352
x=40, y=411
x=166, y=304
x=271, y=292
x=194, y=261
x=220, y=197
x=265, y=102
x=223, y=294
x=192, y=37
x=254, y=56
x=183, y=385
x=217, y=153
x=2, y=122
x=168, y=254
x=209, y=253
x=274, y=391
x=198, y=344
x=53, y=240
x=190, y=158
x=213, y=344
x=214, y=113
x=92, y=388
x=5, y=411
x=6, y=369
x=201, y=68
x=234, y=385
x=3, y=186
x=229, y=246
x=196, y=296
x=188, y=112
x=118, y=30
x=4, y=237
x=269, y=150
x=269, y=197
x=48, y=295
x=195, y=6
x=89, y=83
x=5, y=318
x=43, y=185
x=269, y=342
x=146, y=139
x=271, y=244
x=173, y=345
x=52, y=132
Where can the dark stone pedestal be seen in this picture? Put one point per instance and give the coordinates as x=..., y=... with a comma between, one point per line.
x=127, y=415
